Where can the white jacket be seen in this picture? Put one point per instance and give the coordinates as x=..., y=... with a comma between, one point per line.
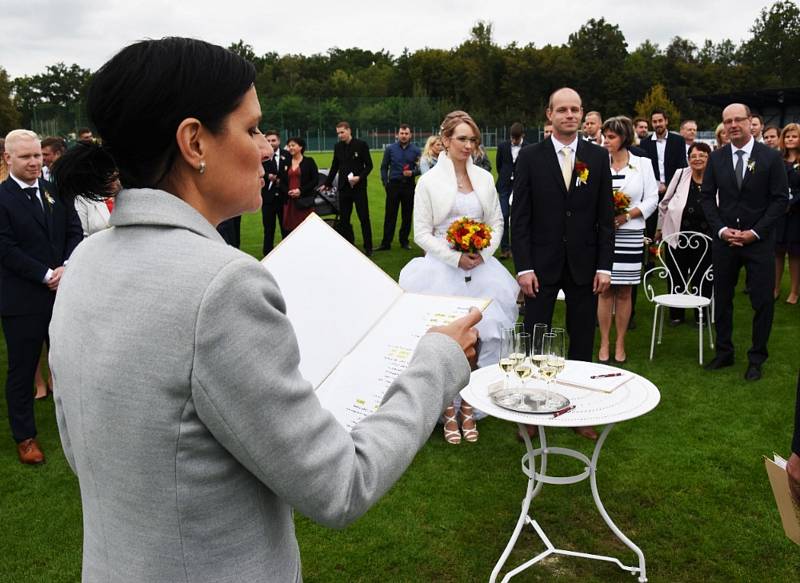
x=434, y=197
x=94, y=215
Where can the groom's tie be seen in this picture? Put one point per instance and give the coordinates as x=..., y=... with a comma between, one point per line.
x=566, y=165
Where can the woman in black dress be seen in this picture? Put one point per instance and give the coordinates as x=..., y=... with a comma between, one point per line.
x=788, y=227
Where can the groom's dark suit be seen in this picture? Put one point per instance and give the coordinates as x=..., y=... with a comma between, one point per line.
x=273, y=198
x=33, y=239
x=564, y=235
x=757, y=205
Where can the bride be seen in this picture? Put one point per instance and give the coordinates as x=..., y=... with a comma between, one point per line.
x=453, y=189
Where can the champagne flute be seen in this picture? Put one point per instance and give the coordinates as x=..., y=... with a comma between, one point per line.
x=537, y=345
x=547, y=367
x=523, y=366
x=507, y=349
x=560, y=348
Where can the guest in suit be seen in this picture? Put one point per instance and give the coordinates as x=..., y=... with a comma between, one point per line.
x=593, y=128
x=505, y=162
x=642, y=127
x=772, y=137
x=788, y=226
x=563, y=224
x=299, y=183
x=681, y=210
x=182, y=410
x=38, y=232
x=744, y=193
x=633, y=177
x=667, y=152
x=430, y=153
x=272, y=197
x=351, y=164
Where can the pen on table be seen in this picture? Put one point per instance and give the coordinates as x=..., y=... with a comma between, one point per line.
x=562, y=411
x=605, y=376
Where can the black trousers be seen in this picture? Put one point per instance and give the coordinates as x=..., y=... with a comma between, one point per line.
x=24, y=338
x=581, y=313
x=270, y=214
x=399, y=196
x=358, y=197
x=758, y=260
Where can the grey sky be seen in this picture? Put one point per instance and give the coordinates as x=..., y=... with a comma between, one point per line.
x=88, y=32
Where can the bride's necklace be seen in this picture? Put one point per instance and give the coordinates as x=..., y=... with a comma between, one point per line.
x=461, y=180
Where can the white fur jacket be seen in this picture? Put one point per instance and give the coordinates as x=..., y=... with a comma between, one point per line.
x=434, y=197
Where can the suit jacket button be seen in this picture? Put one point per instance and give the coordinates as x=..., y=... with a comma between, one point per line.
x=564, y=238
x=569, y=213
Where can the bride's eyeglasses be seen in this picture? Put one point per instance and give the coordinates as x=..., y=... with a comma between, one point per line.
x=465, y=139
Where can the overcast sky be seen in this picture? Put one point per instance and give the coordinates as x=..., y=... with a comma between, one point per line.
x=37, y=33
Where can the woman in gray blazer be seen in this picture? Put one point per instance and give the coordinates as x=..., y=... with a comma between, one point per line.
x=181, y=408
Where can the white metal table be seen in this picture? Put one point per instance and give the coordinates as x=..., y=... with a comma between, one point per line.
x=634, y=398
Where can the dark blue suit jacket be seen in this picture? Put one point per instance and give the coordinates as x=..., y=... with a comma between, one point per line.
x=674, y=155
x=758, y=204
x=554, y=226
x=504, y=163
x=30, y=246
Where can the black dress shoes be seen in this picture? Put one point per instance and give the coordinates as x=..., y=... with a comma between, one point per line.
x=406, y=246
x=753, y=372
x=719, y=362
x=383, y=248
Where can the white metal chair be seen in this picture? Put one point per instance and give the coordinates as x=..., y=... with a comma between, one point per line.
x=684, y=283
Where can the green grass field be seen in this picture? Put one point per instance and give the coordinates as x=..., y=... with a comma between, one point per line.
x=686, y=482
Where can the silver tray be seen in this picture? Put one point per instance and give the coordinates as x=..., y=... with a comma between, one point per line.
x=529, y=400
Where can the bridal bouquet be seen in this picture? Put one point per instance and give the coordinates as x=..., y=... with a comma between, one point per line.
x=468, y=236
x=622, y=202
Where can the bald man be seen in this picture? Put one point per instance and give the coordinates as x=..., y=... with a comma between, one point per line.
x=744, y=192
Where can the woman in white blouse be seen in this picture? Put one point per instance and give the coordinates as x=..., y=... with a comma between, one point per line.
x=633, y=176
x=453, y=189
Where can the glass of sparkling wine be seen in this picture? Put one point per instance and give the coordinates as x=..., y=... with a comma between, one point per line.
x=537, y=346
x=561, y=347
x=548, y=366
x=508, y=346
x=523, y=366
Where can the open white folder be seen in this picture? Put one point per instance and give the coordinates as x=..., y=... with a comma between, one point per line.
x=356, y=328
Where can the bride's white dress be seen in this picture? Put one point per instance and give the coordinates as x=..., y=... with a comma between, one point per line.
x=489, y=280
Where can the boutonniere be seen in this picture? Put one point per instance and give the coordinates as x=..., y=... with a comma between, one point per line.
x=49, y=198
x=582, y=170
x=751, y=165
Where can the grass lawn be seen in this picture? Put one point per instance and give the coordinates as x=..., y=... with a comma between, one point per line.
x=685, y=482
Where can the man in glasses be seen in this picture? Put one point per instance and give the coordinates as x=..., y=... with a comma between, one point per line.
x=744, y=192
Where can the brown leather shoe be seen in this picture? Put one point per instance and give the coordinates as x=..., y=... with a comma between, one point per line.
x=587, y=432
x=29, y=452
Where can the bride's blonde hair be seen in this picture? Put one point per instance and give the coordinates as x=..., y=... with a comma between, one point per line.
x=455, y=118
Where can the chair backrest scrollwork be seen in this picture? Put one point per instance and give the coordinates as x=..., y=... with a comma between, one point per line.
x=685, y=263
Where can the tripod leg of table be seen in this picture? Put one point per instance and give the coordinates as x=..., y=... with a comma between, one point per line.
x=596, y=495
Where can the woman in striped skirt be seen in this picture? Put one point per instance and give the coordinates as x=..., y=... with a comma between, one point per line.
x=633, y=177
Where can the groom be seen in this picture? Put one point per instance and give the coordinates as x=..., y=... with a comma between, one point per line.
x=562, y=219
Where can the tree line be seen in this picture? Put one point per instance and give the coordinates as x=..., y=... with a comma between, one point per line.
x=496, y=84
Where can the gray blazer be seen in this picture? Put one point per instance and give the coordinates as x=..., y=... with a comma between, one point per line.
x=184, y=416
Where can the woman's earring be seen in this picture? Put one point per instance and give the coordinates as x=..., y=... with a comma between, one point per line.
x=202, y=168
